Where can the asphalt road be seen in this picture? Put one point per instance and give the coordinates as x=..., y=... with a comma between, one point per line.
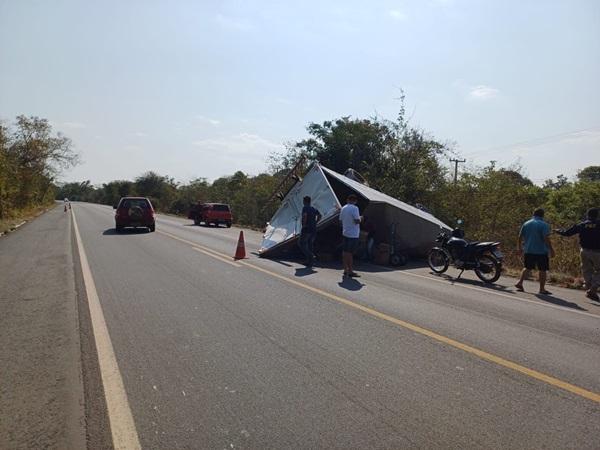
x=266, y=354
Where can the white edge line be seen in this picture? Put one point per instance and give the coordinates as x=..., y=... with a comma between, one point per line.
x=122, y=425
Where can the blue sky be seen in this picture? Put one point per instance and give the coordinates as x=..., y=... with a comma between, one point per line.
x=205, y=88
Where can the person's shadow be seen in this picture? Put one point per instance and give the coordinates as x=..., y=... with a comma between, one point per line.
x=352, y=284
x=559, y=301
x=304, y=271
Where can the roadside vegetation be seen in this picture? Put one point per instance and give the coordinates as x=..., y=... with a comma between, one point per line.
x=31, y=158
x=393, y=156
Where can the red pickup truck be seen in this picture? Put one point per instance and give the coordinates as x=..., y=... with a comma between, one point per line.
x=211, y=213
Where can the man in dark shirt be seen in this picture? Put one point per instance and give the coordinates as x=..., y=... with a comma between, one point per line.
x=308, y=234
x=589, y=239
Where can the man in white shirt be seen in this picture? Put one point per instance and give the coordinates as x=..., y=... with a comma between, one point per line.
x=350, y=218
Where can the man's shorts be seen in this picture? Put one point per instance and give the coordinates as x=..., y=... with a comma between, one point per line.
x=532, y=261
x=350, y=244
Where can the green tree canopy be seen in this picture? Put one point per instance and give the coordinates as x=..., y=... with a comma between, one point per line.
x=590, y=173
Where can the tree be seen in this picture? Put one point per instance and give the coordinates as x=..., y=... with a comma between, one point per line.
x=111, y=192
x=31, y=157
x=160, y=189
x=400, y=160
x=78, y=190
x=561, y=182
x=590, y=173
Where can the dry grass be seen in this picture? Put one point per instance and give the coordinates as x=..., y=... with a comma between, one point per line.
x=565, y=267
x=8, y=224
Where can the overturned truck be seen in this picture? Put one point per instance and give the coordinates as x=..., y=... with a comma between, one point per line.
x=399, y=228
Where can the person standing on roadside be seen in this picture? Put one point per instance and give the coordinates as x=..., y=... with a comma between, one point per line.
x=350, y=218
x=535, y=243
x=589, y=240
x=308, y=233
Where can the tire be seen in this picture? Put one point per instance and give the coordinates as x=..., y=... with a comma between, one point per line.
x=228, y=224
x=196, y=222
x=152, y=228
x=398, y=259
x=488, y=269
x=438, y=260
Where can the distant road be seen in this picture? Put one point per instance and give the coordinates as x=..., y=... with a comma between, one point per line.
x=214, y=353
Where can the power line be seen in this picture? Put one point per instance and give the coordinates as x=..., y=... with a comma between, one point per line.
x=536, y=141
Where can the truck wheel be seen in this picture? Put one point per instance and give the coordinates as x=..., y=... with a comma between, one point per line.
x=228, y=224
x=398, y=259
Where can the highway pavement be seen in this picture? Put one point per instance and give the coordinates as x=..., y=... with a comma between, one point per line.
x=197, y=351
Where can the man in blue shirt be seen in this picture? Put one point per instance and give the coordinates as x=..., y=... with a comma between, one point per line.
x=308, y=233
x=535, y=243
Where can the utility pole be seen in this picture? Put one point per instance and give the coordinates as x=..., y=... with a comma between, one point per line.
x=456, y=162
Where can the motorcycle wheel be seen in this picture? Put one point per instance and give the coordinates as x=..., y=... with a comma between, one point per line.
x=438, y=261
x=488, y=269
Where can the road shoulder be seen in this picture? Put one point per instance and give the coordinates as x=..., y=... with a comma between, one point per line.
x=41, y=389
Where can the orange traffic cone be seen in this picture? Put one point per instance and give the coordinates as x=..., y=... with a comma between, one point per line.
x=240, y=251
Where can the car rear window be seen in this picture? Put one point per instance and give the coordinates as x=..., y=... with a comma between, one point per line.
x=220, y=208
x=130, y=203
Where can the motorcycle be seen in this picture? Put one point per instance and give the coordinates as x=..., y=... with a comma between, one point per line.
x=485, y=258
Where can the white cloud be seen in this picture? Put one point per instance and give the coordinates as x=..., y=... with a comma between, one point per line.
x=396, y=14
x=482, y=93
x=140, y=134
x=73, y=125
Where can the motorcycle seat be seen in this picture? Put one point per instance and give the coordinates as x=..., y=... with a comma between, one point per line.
x=458, y=241
x=484, y=244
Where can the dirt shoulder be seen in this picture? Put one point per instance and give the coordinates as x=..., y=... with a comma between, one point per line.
x=21, y=218
x=41, y=391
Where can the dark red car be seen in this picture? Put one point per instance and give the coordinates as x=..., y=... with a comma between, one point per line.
x=134, y=212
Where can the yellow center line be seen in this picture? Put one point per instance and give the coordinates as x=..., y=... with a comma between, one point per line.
x=212, y=255
x=201, y=248
x=590, y=395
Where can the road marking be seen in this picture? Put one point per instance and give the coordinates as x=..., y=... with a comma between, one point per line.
x=122, y=425
x=440, y=338
x=437, y=280
x=196, y=246
x=212, y=255
x=500, y=294
x=590, y=395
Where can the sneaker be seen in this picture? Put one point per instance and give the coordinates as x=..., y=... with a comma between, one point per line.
x=592, y=296
x=353, y=275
